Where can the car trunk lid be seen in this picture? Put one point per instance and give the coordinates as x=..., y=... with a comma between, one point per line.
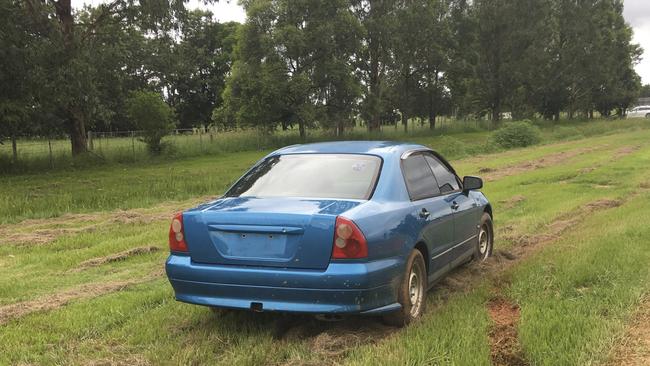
x=273, y=232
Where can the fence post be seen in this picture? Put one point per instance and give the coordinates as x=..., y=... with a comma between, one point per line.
x=91, y=146
x=49, y=144
x=201, y=139
x=133, y=144
x=14, y=149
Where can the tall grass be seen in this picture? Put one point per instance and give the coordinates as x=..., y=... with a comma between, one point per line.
x=48, y=154
x=37, y=155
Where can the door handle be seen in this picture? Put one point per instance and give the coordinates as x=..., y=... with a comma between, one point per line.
x=424, y=213
x=454, y=205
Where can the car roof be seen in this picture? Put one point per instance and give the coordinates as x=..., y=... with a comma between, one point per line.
x=384, y=149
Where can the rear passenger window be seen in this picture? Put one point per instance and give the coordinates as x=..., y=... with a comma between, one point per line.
x=419, y=178
x=447, y=181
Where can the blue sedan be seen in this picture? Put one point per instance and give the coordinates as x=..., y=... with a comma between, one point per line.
x=332, y=228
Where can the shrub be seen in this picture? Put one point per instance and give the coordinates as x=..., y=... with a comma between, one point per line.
x=153, y=116
x=516, y=134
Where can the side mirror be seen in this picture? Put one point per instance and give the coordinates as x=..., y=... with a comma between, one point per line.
x=472, y=183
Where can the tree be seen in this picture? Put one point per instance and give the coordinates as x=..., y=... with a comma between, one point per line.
x=15, y=70
x=293, y=66
x=373, y=57
x=153, y=116
x=461, y=57
x=491, y=78
x=333, y=38
x=71, y=74
x=645, y=91
x=401, y=76
x=255, y=93
x=201, y=62
x=615, y=85
x=432, y=58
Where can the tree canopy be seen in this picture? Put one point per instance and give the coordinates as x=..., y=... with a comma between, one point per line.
x=311, y=64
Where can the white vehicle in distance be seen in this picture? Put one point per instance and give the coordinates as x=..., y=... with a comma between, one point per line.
x=642, y=111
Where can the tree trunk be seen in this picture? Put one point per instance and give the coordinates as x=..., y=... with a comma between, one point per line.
x=77, y=119
x=374, y=122
x=405, y=121
x=301, y=128
x=339, y=128
x=496, y=114
x=77, y=131
x=432, y=120
x=14, y=149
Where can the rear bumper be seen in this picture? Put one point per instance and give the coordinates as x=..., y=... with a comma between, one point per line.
x=341, y=288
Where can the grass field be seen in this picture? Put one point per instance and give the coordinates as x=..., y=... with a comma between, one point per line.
x=82, y=252
x=458, y=138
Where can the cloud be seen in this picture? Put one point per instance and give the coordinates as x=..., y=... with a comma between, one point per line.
x=637, y=12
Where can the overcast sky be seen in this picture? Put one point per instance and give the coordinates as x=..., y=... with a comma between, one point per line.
x=637, y=13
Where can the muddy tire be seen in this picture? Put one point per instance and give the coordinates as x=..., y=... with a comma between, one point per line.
x=411, y=293
x=485, y=242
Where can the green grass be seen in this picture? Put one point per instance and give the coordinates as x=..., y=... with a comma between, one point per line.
x=575, y=293
x=462, y=138
x=120, y=186
x=576, y=296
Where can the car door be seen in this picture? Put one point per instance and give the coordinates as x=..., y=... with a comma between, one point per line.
x=464, y=208
x=433, y=213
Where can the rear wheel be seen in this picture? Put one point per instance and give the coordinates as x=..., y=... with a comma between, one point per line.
x=412, y=292
x=485, y=238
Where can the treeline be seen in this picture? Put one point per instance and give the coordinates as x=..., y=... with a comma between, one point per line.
x=66, y=71
x=313, y=64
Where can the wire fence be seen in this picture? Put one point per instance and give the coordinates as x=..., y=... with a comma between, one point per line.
x=43, y=153
x=119, y=146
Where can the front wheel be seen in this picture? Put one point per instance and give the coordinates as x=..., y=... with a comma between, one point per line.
x=485, y=241
x=412, y=292
x=647, y=115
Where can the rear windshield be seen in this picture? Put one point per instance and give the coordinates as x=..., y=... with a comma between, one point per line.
x=311, y=175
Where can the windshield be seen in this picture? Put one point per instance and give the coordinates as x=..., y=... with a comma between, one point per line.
x=311, y=175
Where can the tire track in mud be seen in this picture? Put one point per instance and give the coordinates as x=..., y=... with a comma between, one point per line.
x=82, y=292
x=617, y=155
x=121, y=256
x=504, y=343
x=505, y=348
x=493, y=174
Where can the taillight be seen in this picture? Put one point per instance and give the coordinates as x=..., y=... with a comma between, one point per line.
x=177, y=234
x=349, y=242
